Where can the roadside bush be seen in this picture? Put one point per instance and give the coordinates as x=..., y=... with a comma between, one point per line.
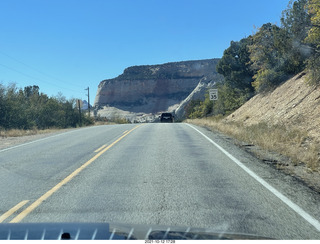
x=29, y=109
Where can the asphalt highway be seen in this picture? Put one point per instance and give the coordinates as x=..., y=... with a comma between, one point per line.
x=157, y=174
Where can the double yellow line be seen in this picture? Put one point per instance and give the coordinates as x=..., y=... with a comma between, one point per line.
x=45, y=196
x=13, y=210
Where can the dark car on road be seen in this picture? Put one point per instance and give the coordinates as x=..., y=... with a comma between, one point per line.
x=166, y=118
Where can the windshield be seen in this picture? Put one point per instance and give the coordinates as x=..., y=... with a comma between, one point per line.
x=197, y=115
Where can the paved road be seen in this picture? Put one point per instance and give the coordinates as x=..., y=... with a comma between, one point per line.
x=166, y=174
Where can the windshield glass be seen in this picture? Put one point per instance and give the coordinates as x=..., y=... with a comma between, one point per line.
x=191, y=116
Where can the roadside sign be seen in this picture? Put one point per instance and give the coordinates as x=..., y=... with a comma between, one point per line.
x=79, y=103
x=213, y=94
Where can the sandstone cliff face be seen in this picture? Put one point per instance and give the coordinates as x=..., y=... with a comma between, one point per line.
x=155, y=88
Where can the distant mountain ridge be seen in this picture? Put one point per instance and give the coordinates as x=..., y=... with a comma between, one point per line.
x=151, y=89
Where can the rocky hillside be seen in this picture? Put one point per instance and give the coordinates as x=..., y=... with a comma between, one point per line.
x=151, y=89
x=294, y=104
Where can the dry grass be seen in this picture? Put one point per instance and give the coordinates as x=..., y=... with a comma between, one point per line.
x=291, y=142
x=18, y=132
x=104, y=123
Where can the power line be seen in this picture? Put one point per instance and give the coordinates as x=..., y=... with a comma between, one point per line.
x=35, y=69
x=37, y=79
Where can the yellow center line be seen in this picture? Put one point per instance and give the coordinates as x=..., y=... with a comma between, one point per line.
x=12, y=210
x=100, y=148
x=35, y=204
x=125, y=132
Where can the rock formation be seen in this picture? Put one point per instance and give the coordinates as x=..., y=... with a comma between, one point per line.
x=151, y=89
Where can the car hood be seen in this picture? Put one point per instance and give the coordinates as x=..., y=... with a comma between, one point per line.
x=112, y=231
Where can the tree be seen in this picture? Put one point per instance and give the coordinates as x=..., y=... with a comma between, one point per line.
x=229, y=100
x=30, y=91
x=234, y=65
x=313, y=38
x=13, y=112
x=237, y=87
x=28, y=108
x=313, y=35
x=296, y=20
x=193, y=109
x=267, y=56
x=296, y=23
x=263, y=52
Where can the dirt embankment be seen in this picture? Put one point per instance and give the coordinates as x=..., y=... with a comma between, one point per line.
x=293, y=104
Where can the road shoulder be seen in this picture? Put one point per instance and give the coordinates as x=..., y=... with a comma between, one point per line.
x=289, y=185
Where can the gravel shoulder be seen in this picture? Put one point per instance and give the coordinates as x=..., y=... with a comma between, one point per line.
x=7, y=142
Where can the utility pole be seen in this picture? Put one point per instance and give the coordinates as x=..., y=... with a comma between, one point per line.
x=79, y=107
x=88, y=100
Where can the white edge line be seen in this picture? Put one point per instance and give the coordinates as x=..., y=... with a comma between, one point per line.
x=42, y=139
x=311, y=220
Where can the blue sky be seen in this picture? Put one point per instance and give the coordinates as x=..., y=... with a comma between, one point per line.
x=67, y=45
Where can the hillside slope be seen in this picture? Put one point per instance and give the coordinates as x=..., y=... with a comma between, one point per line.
x=294, y=104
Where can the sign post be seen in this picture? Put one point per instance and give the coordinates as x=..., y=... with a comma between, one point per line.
x=213, y=95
